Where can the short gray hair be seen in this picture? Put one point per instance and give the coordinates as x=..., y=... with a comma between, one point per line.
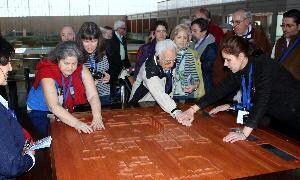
x=64, y=50
x=247, y=13
x=164, y=45
x=118, y=24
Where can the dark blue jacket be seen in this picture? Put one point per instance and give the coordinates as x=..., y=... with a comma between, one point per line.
x=207, y=62
x=12, y=162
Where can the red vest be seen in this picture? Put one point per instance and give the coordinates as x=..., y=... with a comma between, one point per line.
x=48, y=69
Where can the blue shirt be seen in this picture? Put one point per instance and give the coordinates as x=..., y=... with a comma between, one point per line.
x=36, y=99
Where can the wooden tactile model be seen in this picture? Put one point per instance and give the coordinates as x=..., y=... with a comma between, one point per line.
x=146, y=143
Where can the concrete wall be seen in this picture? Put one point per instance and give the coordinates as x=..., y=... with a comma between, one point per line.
x=50, y=25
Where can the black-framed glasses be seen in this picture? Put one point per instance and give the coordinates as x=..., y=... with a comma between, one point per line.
x=237, y=22
x=123, y=28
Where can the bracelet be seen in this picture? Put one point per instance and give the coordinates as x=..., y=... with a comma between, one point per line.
x=193, y=109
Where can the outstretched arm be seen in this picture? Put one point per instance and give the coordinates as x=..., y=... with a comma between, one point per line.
x=50, y=94
x=93, y=99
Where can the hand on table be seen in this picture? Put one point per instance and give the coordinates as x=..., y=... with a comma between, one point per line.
x=97, y=124
x=217, y=109
x=234, y=136
x=83, y=127
x=186, y=118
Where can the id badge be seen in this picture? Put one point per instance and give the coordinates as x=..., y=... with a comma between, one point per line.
x=72, y=92
x=60, y=99
x=240, y=116
x=60, y=96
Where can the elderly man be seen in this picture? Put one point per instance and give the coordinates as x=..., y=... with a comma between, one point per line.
x=152, y=81
x=241, y=22
x=116, y=49
x=287, y=48
x=67, y=33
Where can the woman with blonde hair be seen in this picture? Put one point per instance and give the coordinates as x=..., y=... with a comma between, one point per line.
x=188, y=75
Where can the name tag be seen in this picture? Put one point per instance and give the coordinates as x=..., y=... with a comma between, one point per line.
x=60, y=96
x=72, y=91
x=240, y=116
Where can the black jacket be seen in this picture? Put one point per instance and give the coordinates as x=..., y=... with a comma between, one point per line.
x=114, y=58
x=274, y=90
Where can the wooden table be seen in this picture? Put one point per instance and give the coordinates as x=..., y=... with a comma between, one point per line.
x=146, y=143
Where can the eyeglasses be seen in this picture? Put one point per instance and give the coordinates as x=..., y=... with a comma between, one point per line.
x=238, y=22
x=123, y=28
x=287, y=25
x=169, y=61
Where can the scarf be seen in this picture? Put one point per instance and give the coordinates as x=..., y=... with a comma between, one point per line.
x=200, y=46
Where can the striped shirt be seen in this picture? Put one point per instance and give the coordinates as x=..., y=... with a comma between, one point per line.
x=102, y=66
x=185, y=67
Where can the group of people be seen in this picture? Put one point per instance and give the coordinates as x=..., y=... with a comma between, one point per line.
x=76, y=72
x=85, y=67
x=263, y=84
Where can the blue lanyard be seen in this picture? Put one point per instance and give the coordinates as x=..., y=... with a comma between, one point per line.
x=245, y=36
x=181, y=59
x=66, y=91
x=247, y=90
x=283, y=56
x=93, y=66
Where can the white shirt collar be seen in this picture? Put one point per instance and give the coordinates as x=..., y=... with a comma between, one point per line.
x=3, y=102
x=118, y=35
x=288, y=41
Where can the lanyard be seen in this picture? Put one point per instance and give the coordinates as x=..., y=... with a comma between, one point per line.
x=66, y=91
x=92, y=66
x=245, y=36
x=283, y=56
x=180, y=60
x=247, y=90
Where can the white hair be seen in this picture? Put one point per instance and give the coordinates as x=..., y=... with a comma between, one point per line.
x=164, y=45
x=246, y=12
x=118, y=24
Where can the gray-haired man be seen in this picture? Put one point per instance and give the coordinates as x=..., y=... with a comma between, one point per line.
x=116, y=49
x=151, y=82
